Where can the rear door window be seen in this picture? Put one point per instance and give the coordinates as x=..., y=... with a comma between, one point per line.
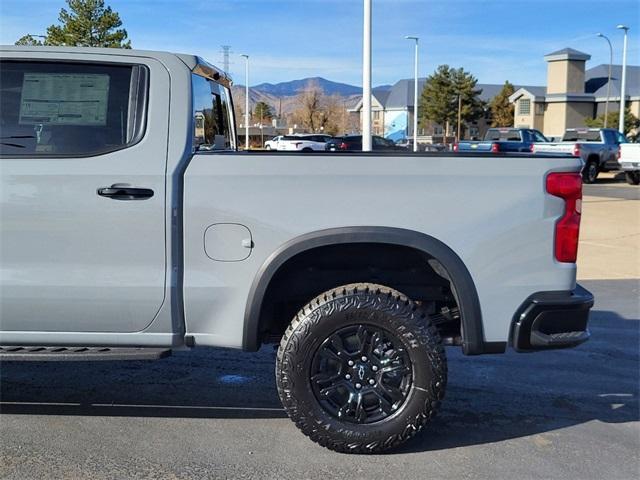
x=509, y=135
x=492, y=134
x=70, y=109
x=211, y=115
x=582, y=136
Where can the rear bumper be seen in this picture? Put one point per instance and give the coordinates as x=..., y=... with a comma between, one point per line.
x=549, y=320
x=629, y=166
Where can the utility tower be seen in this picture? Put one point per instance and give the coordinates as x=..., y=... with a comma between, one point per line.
x=226, y=50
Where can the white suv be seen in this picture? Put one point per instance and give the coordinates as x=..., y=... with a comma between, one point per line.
x=304, y=142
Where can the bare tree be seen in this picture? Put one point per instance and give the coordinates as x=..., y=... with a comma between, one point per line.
x=309, y=111
x=334, y=115
x=317, y=111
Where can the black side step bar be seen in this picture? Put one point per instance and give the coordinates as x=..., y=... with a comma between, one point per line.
x=82, y=354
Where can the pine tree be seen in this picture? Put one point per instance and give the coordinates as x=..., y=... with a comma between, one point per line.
x=87, y=23
x=263, y=111
x=439, y=99
x=29, y=41
x=464, y=85
x=437, y=96
x=501, y=109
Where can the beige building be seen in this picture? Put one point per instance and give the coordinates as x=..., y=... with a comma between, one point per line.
x=573, y=94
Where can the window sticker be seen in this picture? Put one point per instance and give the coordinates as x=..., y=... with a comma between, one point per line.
x=64, y=99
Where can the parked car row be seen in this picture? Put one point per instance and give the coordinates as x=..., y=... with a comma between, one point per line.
x=601, y=150
x=353, y=143
x=320, y=142
x=598, y=148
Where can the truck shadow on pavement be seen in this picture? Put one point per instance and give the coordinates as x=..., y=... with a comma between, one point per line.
x=489, y=398
x=613, y=178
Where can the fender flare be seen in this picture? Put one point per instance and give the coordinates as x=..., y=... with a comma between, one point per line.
x=473, y=342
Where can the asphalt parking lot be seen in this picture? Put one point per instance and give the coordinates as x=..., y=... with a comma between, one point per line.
x=215, y=413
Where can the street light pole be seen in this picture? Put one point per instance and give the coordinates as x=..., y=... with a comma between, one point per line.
x=415, y=94
x=623, y=87
x=366, y=78
x=459, y=117
x=606, y=104
x=246, y=103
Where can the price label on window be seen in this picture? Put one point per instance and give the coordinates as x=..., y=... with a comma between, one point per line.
x=64, y=99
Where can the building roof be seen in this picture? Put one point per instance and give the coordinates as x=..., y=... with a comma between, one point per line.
x=381, y=94
x=537, y=93
x=596, y=81
x=566, y=54
x=401, y=94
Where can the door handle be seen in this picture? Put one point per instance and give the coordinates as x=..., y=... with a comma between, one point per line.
x=116, y=192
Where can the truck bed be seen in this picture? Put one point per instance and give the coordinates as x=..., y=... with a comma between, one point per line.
x=280, y=196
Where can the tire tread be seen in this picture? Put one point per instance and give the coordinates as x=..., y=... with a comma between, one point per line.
x=421, y=331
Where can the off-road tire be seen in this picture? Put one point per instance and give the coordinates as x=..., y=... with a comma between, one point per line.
x=355, y=304
x=590, y=172
x=633, y=178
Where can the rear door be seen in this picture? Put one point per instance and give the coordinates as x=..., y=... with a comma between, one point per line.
x=82, y=193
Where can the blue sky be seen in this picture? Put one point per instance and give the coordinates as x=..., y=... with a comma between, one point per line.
x=496, y=40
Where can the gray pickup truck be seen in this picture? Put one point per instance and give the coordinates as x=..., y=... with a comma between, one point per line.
x=133, y=227
x=598, y=148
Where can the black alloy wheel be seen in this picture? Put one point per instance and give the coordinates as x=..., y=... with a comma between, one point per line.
x=361, y=374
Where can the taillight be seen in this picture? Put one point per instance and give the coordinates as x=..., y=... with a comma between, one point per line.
x=343, y=146
x=532, y=148
x=576, y=150
x=455, y=147
x=619, y=153
x=495, y=148
x=567, y=186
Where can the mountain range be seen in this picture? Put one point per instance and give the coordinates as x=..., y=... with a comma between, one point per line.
x=282, y=96
x=286, y=89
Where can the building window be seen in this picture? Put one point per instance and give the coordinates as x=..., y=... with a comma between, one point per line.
x=539, y=108
x=524, y=106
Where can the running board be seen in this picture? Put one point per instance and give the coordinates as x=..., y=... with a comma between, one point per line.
x=82, y=354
